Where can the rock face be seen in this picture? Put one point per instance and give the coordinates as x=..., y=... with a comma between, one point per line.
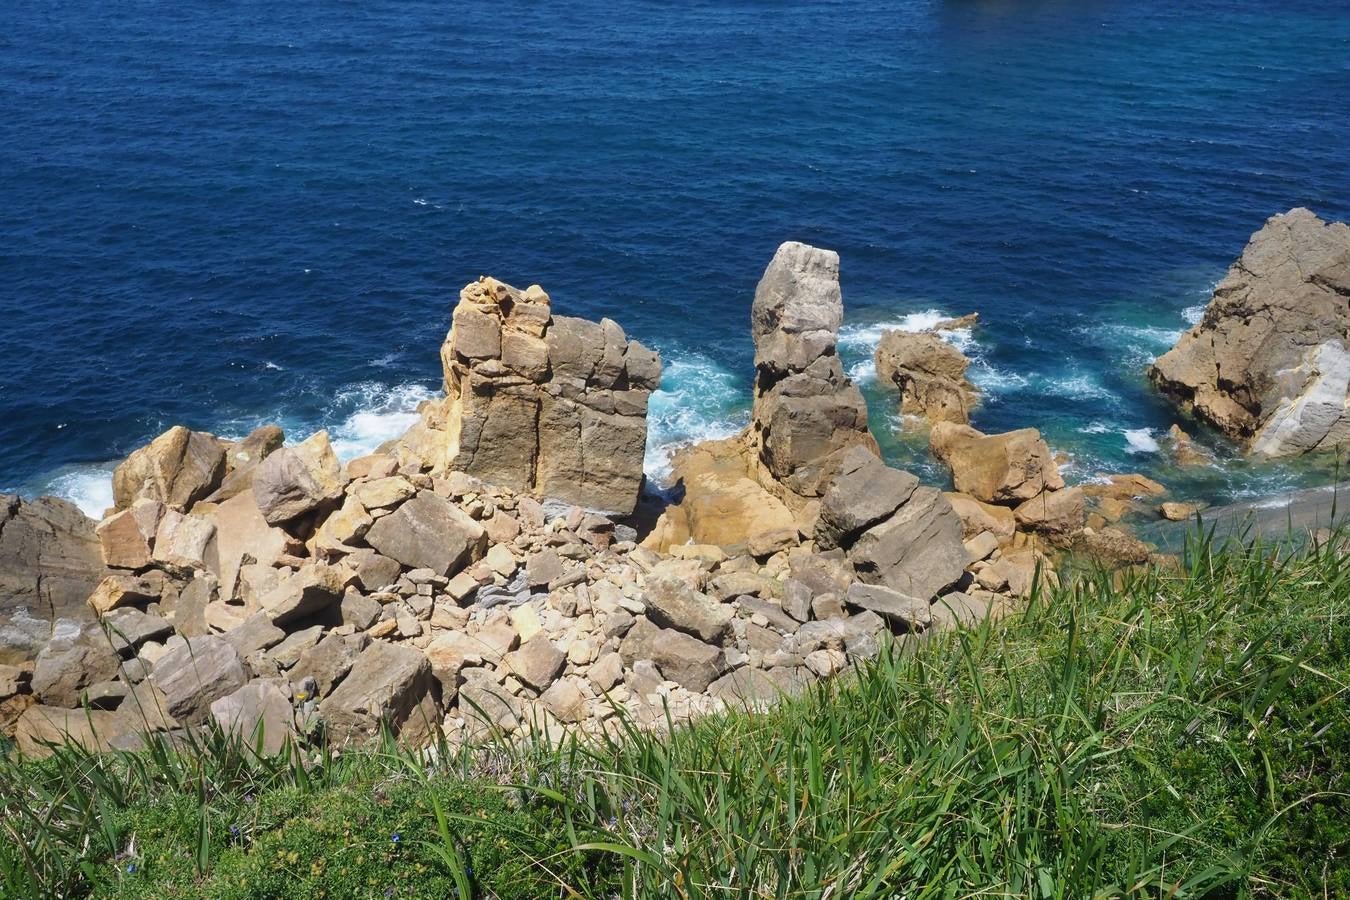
x=49, y=564
x=549, y=405
x=929, y=373
x=1269, y=365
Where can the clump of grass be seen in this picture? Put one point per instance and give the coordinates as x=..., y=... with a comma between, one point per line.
x=1173, y=732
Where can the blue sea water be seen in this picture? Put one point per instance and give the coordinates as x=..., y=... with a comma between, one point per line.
x=227, y=214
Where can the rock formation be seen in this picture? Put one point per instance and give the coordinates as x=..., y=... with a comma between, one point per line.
x=548, y=405
x=1269, y=365
x=280, y=594
x=929, y=373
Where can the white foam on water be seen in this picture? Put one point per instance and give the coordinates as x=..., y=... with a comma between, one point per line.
x=862, y=340
x=1096, y=428
x=1077, y=387
x=1140, y=440
x=1193, y=314
x=87, y=486
x=381, y=414
x=697, y=401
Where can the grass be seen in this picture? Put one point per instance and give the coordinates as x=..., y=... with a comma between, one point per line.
x=1166, y=733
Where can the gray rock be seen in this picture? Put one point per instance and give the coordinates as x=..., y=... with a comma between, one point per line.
x=385, y=688
x=129, y=628
x=865, y=492
x=49, y=565
x=680, y=657
x=359, y=611
x=671, y=603
x=259, y=709
x=287, y=653
x=256, y=633
x=910, y=613
x=195, y=672
x=296, y=480
x=329, y=661
x=242, y=459
x=796, y=600
x=918, y=551
x=78, y=655
x=429, y=532
x=770, y=610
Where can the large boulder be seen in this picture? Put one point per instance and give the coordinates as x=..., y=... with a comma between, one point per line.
x=996, y=468
x=549, y=405
x=429, y=532
x=178, y=468
x=49, y=565
x=390, y=686
x=1269, y=364
x=918, y=551
x=929, y=373
x=258, y=709
x=865, y=492
x=297, y=480
x=77, y=656
x=195, y=672
x=680, y=657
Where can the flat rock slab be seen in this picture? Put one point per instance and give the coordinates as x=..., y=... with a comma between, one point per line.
x=429, y=532
x=385, y=688
x=195, y=672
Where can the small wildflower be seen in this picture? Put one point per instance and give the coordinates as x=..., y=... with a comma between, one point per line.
x=131, y=868
x=395, y=838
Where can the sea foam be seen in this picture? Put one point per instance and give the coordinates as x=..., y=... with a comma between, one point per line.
x=698, y=400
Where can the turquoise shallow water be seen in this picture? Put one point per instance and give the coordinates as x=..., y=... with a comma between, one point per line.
x=228, y=215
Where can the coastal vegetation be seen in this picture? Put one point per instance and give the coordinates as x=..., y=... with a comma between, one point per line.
x=1168, y=731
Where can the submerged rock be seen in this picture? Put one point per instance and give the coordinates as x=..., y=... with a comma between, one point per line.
x=1269, y=365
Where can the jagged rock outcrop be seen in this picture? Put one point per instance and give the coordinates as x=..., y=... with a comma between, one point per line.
x=1269, y=365
x=929, y=373
x=399, y=591
x=49, y=564
x=548, y=405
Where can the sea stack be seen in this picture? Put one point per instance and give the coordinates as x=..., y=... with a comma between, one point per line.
x=553, y=406
x=1269, y=365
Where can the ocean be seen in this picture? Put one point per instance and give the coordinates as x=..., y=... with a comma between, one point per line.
x=229, y=214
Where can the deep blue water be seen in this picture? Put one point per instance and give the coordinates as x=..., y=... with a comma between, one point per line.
x=223, y=214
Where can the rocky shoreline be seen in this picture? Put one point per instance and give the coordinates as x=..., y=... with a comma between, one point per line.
x=498, y=567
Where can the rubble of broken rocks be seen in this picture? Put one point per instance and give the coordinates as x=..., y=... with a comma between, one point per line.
x=432, y=588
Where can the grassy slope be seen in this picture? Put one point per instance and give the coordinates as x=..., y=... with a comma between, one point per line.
x=1181, y=734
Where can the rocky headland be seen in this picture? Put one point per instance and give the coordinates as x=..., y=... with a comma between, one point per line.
x=496, y=567
x=1269, y=364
